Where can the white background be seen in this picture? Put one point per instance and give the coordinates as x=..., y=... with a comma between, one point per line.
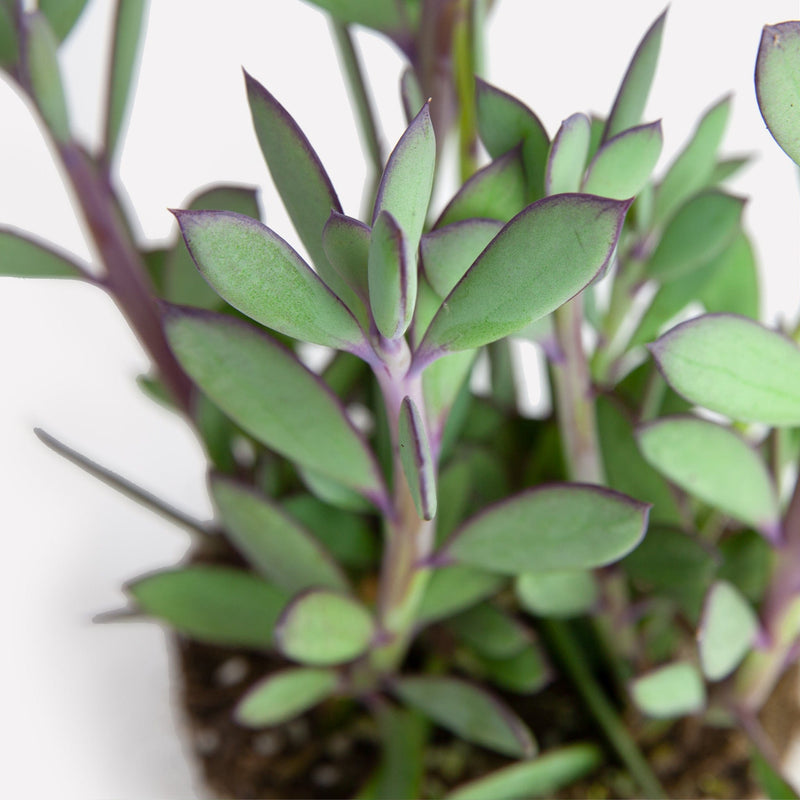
x=87, y=707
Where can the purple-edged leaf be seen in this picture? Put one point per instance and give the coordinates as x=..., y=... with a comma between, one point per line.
x=392, y=277
x=23, y=256
x=272, y=541
x=448, y=252
x=218, y=605
x=283, y=695
x=469, y=712
x=407, y=181
x=346, y=243
x=622, y=166
x=538, y=261
x=411, y=94
x=567, y=159
x=496, y=191
x=671, y=691
x=257, y=382
x=417, y=460
x=62, y=14
x=714, y=464
x=383, y=15
x=553, y=527
x=778, y=86
x=453, y=589
x=734, y=366
x=256, y=271
x=632, y=95
x=321, y=628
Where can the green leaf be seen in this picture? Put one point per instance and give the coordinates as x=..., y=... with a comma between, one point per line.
x=256, y=271
x=411, y=94
x=734, y=366
x=694, y=165
x=733, y=284
x=777, y=86
x=555, y=527
x=727, y=631
x=129, y=23
x=283, y=695
x=469, y=712
x=256, y=382
x=346, y=243
x=331, y=491
x=9, y=46
x=62, y=14
x=771, y=782
x=568, y=152
x=453, y=589
x=622, y=166
x=217, y=605
x=321, y=628
x=496, y=191
x=544, y=776
x=716, y=465
x=632, y=95
x=747, y=561
x=567, y=593
x=490, y=632
x=275, y=544
x=538, y=261
x=417, y=460
x=442, y=382
x=526, y=672
x=23, y=256
x=699, y=231
x=674, y=690
x=383, y=15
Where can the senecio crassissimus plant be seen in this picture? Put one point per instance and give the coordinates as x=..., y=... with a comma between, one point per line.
x=444, y=559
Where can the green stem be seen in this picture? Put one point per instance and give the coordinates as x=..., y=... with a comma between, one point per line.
x=465, y=30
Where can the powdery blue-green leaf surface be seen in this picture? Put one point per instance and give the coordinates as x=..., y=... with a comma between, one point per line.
x=562, y=594
x=716, y=465
x=554, y=527
x=23, y=256
x=256, y=382
x=490, y=631
x=453, y=589
x=778, y=84
x=283, y=695
x=540, y=777
x=321, y=628
x=674, y=690
x=346, y=243
x=63, y=14
x=727, y=630
x=469, y=712
x=568, y=152
x=218, y=605
x=622, y=166
x=734, y=366
x=392, y=277
x=272, y=541
x=537, y=262
x=256, y=271
x=419, y=467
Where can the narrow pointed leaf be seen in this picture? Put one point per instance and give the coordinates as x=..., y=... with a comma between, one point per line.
x=671, y=691
x=777, y=85
x=272, y=541
x=568, y=152
x=256, y=271
x=23, y=256
x=631, y=98
x=453, y=589
x=392, y=277
x=346, y=243
x=567, y=593
x=256, y=382
x=727, y=631
x=734, y=366
x=383, y=15
x=411, y=94
x=537, y=262
x=556, y=527
x=62, y=15
x=283, y=695
x=218, y=605
x=469, y=712
x=623, y=165
x=322, y=628
x=417, y=460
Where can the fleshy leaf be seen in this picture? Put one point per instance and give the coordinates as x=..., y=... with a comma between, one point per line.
x=727, y=631
x=411, y=94
x=568, y=152
x=674, y=690
x=525, y=672
x=453, y=589
x=63, y=14
x=747, y=563
x=714, y=464
x=490, y=632
x=537, y=262
x=346, y=243
x=567, y=593
x=404, y=740
x=469, y=712
x=274, y=543
x=733, y=284
x=217, y=605
x=256, y=382
x=777, y=87
x=734, y=366
x=330, y=490
x=9, y=46
x=283, y=695
x=392, y=277
x=321, y=628
x=256, y=271
x=415, y=455
x=555, y=527
x=622, y=166
x=442, y=382
x=383, y=15
x=631, y=98
x=544, y=776
x=23, y=256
